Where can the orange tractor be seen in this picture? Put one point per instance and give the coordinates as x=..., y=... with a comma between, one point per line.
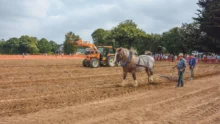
x=96, y=56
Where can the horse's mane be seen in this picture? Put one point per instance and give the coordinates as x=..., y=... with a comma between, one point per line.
x=126, y=54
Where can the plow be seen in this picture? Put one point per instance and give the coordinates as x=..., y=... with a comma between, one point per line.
x=171, y=78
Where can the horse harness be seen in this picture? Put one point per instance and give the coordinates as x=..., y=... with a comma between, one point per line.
x=129, y=60
x=139, y=63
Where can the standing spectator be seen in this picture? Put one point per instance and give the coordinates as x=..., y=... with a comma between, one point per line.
x=172, y=57
x=192, y=64
x=187, y=57
x=204, y=56
x=218, y=57
x=160, y=57
x=166, y=57
x=181, y=65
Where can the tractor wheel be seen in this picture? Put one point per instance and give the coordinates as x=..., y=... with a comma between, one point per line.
x=110, y=61
x=94, y=63
x=85, y=63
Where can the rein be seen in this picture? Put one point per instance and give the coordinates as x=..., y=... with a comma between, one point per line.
x=127, y=61
x=139, y=64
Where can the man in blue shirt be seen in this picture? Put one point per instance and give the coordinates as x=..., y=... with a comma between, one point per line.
x=192, y=64
x=181, y=65
x=218, y=57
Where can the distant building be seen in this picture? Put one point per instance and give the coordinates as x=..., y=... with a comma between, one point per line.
x=81, y=50
x=60, y=50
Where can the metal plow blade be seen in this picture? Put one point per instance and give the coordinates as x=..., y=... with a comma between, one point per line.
x=171, y=78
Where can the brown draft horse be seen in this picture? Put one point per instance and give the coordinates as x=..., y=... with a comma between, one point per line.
x=132, y=64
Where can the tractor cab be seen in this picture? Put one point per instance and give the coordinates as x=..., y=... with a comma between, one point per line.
x=105, y=53
x=87, y=51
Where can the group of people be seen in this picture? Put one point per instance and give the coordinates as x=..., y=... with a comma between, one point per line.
x=173, y=58
x=181, y=67
x=167, y=57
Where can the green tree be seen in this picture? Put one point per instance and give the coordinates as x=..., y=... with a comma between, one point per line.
x=99, y=36
x=12, y=46
x=143, y=43
x=174, y=41
x=32, y=48
x=185, y=39
x=54, y=46
x=108, y=38
x=68, y=43
x=209, y=20
x=155, y=43
x=44, y=46
x=2, y=43
x=28, y=45
x=127, y=34
x=193, y=37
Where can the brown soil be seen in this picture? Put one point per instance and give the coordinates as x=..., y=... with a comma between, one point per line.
x=62, y=91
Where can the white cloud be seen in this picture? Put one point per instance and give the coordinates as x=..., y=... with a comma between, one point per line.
x=36, y=8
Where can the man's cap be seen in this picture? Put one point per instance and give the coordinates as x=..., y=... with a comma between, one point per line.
x=148, y=52
x=181, y=54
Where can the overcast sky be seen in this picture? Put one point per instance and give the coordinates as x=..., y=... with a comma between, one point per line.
x=52, y=19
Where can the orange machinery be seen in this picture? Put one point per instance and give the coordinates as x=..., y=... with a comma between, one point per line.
x=101, y=55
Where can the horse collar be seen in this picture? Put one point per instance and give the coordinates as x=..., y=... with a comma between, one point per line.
x=127, y=61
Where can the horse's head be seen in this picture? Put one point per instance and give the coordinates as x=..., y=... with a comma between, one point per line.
x=121, y=54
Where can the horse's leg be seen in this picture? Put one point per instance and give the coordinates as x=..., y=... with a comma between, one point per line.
x=124, y=77
x=134, y=77
x=148, y=73
x=151, y=74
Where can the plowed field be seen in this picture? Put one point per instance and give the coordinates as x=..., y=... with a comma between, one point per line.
x=60, y=91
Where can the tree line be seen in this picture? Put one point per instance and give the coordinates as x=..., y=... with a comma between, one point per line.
x=27, y=44
x=203, y=34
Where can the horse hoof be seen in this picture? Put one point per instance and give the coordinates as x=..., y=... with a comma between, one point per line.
x=151, y=79
x=135, y=84
x=123, y=83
